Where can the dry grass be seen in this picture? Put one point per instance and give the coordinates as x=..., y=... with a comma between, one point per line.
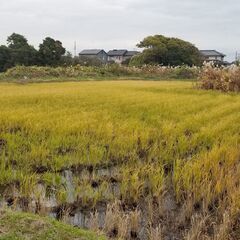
x=156, y=233
x=225, y=79
x=198, y=226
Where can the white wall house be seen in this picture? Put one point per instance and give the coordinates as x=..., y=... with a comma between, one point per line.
x=212, y=56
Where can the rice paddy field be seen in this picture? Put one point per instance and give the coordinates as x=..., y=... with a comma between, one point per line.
x=131, y=159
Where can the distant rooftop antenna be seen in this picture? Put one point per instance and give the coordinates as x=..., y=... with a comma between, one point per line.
x=75, y=49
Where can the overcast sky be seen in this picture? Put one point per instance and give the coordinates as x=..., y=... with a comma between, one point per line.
x=209, y=24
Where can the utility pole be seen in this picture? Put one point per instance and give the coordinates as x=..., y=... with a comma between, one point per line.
x=75, y=49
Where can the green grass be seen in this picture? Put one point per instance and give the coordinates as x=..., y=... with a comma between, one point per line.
x=22, y=226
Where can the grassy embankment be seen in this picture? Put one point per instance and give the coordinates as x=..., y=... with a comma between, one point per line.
x=22, y=226
x=159, y=136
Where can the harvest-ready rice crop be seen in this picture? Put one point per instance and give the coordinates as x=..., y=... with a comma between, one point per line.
x=159, y=158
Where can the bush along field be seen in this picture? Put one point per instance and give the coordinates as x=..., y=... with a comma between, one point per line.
x=225, y=79
x=131, y=159
x=76, y=73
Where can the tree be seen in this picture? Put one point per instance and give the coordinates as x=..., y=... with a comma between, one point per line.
x=67, y=59
x=51, y=51
x=159, y=49
x=21, y=52
x=16, y=41
x=5, y=58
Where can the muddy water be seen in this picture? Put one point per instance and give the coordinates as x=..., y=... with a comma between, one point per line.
x=82, y=218
x=41, y=200
x=45, y=202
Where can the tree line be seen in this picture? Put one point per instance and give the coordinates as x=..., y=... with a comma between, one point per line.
x=19, y=52
x=157, y=49
x=167, y=51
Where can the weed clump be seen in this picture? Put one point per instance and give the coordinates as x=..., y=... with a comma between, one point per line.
x=226, y=79
x=78, y=72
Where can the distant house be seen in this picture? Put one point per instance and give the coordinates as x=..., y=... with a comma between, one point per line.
x=116, y=56
x=119, y=56
x=95, y=53
x=212, y=56
x=131, y=54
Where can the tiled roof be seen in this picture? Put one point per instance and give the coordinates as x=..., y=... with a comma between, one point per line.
x=116, y=52
x=209, y=53
x=90, y=52
x=131, y=53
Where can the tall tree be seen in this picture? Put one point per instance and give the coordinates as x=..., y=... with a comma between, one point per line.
x=5, y=58
x=51, y=51
x=16, y=41
x=159, y=49
x=21, y=52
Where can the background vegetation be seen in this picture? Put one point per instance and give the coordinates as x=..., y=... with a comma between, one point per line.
x=114, y=71
x=158, y=50
x=19, y=52
x=167, y=52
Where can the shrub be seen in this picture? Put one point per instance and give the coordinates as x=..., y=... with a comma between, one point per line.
x=111, y=70
x=186, y=72
x=220, y=78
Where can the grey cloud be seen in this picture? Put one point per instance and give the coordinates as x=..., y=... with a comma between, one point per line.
x=121, y=24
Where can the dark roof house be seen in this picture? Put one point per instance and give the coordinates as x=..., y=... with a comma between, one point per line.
x=95, y=53
x=119, y=56
x=116, y=52
x=90, y=51
x=212, y=55
x=132, y=53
